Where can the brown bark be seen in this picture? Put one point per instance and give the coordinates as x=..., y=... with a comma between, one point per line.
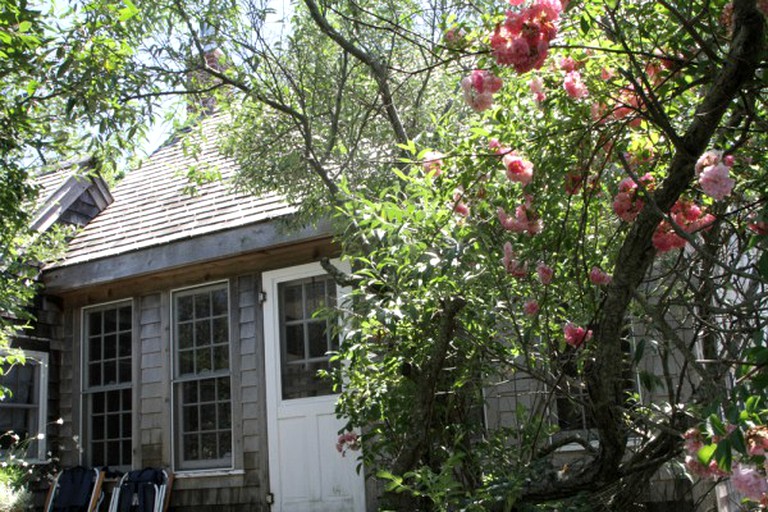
x=637, y=252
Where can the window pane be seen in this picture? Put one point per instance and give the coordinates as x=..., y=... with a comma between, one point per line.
x=113, y=426
x=294, y=342
x=97, y=427
x=125, y=370
x=191, y=447
x=186, y=362
x=202, y=333
x=22, y=422
x=318, y=340
x=224, y=416
x=97, y=453
x=110, y=320
x=209, y=446
x=219, y=299
x=113, y=451
x=208, y=390
x=203, y=360
x=125, y=321
x=94, y=348
x=225, y=444
x=191, y=421
x=124, y=349
x=184, y=308
x=110, y=346
x=301, y=381
x=202, y=305
x=94, y=323
x=127, y=451
x=110, y=372
x=185, y=335
x=315, y=298
x=20, y=381
x=97, y=399
x=189, y=390
x=305, y=340
x=223, y=388
x=221, y=357
x=113, y=401
x=94, y=374
x=220, y=330
x=208, y=417
x=292, y=305
x=127, y=425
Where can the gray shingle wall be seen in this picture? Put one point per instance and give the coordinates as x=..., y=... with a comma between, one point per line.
x=152, y=389
x=251, y=381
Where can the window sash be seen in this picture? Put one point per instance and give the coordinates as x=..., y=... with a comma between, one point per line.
x=107, y=385
x=305, y=340
x=202, y=393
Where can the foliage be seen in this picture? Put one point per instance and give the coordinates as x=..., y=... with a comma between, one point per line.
x=626, y=103
x=560, y=194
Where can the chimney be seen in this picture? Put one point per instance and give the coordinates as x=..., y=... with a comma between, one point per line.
x=199, y=78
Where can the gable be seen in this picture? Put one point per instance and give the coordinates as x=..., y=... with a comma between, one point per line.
x=69, y=195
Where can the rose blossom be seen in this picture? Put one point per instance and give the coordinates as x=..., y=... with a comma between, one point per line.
x=433, y=162
x=545, y=272
x=576, y=336
x=531, y=308
x=598, y=277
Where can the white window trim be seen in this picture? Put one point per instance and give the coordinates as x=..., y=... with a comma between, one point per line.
x=84, y=440
x=41, y=361
x=174, y=381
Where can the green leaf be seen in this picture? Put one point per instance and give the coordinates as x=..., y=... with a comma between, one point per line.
x=129, y=11
x=738, y=442
x=723, y=454
x=716, y=425
x=706, y=452
x=762, y=265
x=584, y=25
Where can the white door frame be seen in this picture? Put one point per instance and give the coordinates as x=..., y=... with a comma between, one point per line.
x=277, y=409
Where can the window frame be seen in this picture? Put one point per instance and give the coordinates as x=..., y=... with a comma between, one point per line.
x=87, y=391
x=271, y=281
x=305, y=322
x=41, y=361
x=176, y=381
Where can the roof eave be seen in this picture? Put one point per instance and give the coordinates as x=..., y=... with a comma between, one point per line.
x=187, y=252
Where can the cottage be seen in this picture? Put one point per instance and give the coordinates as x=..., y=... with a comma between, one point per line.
x=179, y=333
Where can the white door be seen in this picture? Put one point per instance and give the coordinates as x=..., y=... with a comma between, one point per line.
x=306, y=472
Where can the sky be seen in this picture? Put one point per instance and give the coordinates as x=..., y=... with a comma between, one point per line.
x=277, y=23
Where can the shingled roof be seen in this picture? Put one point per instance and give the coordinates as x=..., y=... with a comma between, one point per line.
x=153, y=207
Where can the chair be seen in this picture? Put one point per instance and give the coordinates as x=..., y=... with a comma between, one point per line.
x=143, y=490
x=76, y=489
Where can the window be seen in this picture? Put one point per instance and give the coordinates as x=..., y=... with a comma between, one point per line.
x=305, y=340
x=108, y=384
x=202, y=388
x=23, y=409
